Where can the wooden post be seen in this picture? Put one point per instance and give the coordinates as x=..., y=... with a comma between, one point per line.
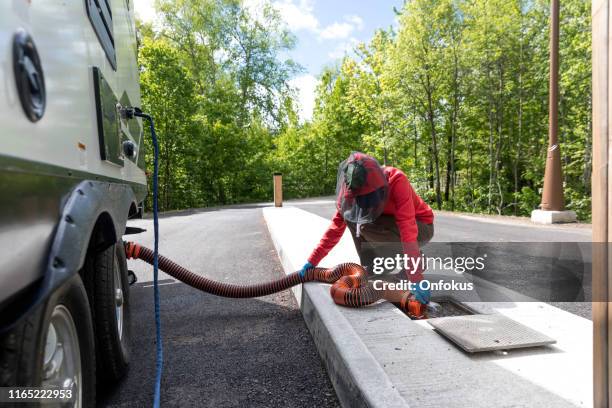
x=601, y=203
x=278, y=189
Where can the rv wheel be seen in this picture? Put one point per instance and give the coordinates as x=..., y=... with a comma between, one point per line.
x=54, y=347
x=107, y=278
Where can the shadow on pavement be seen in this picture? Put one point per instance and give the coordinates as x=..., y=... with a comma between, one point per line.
x=221, y=352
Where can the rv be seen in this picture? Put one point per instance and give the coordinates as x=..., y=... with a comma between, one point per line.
x=71, y=175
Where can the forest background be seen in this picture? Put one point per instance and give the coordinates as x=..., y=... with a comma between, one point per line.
x=455, y=94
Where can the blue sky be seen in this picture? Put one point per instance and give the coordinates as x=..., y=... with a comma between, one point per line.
x=325, y=31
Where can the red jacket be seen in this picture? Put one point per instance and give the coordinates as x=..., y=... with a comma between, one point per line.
x=403, y=203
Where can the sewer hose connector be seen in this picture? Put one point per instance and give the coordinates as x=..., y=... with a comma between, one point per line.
x=350, y=286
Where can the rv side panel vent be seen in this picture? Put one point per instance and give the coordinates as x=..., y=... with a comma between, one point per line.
x=101, y=17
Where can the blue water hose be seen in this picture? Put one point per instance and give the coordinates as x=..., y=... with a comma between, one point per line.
x=159, y=361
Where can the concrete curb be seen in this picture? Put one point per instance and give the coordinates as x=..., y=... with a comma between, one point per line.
x=377, y=357
x=356, y=375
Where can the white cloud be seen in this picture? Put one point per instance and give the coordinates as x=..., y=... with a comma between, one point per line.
x=355, y=20
x=306, y=86
x=336, y=31
x=298, y=16
x=144, y=10
x=339, y=31
x=343, y=48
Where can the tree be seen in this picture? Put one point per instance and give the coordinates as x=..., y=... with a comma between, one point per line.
x=213, y=76
x=169, y=97
x=455, y=95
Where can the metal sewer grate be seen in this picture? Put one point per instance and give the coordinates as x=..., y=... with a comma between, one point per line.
x=446, y=307
x=476, y=333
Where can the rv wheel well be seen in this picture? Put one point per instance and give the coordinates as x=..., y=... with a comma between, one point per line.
x=104, y=234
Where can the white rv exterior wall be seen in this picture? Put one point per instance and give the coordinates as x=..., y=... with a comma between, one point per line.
x=68, y=48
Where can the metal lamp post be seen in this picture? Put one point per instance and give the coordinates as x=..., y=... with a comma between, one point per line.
x=552, y=205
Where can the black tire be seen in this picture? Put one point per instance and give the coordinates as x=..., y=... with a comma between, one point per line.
x=22, y=349
x=112, y=347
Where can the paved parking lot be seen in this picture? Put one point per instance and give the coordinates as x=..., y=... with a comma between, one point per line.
x=220, y=352
x=252, y=352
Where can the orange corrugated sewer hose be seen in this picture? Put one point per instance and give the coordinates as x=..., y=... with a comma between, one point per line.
x=350, y=286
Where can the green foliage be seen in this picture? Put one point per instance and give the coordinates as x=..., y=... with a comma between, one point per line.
x=456, y=96
x=211, y=77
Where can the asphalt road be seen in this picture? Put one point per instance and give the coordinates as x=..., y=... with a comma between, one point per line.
x=219, y=352
x=474, y=227
x=222, y=352
x=504, y=234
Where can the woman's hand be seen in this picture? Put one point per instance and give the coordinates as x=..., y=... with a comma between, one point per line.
x=305, y=268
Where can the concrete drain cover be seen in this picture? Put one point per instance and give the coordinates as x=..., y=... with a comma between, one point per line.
x=476, y=333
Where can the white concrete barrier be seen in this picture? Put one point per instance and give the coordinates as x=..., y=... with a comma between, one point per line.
x=377, y=357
